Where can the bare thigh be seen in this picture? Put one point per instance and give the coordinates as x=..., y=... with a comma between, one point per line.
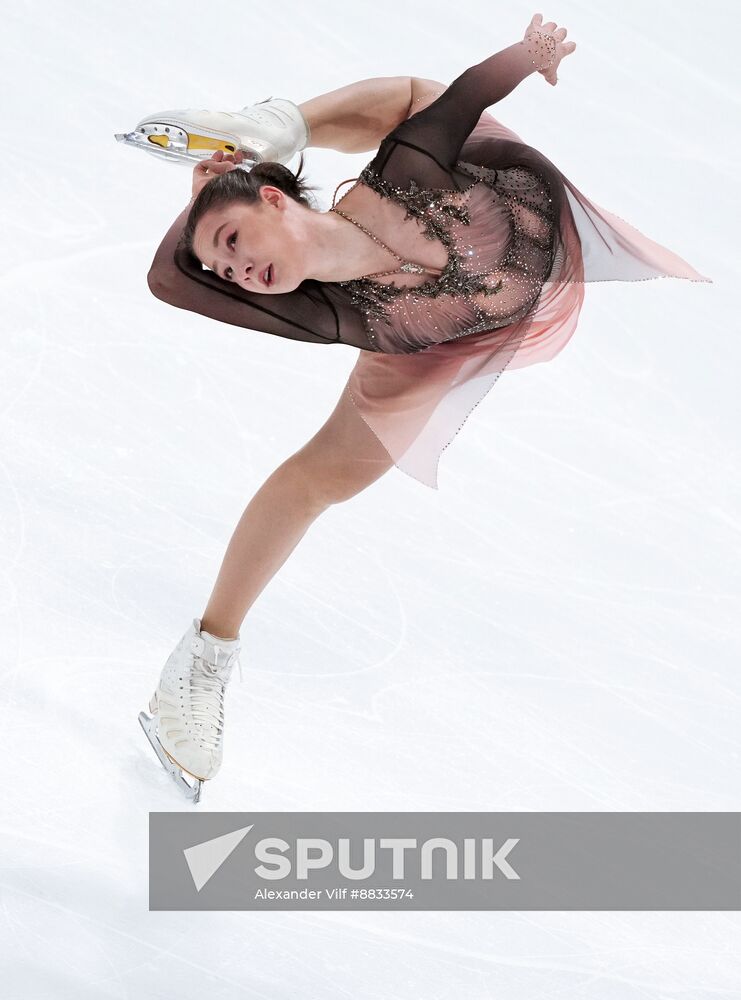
x=344, y=456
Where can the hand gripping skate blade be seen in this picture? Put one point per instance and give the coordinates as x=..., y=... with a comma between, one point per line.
x=149, y=725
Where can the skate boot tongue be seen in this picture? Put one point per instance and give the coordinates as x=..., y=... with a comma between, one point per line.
x=218, y=655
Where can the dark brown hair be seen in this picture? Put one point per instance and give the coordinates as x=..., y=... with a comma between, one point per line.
x=244, y=185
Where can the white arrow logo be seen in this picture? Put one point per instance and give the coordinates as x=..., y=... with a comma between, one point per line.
x=206, y=858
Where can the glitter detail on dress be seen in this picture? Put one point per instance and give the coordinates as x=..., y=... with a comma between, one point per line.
x=427, y=357
x=516, y=278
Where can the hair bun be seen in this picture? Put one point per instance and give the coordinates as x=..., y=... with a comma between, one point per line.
x=271, y=172
x=278, y=174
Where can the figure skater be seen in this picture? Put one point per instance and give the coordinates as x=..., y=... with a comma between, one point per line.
x=459, y=251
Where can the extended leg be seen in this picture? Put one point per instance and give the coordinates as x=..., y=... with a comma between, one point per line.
x=342, y=458
x=186, y=724
x=355, y=118
x=358, y=117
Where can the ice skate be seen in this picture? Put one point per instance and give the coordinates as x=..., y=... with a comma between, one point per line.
x=273, y=129
x=186, y=727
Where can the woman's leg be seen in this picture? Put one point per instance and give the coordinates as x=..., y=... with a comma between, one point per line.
x=342, y=458
x=356, y=118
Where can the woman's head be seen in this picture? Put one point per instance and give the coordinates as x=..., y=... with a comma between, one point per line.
x=242, y=221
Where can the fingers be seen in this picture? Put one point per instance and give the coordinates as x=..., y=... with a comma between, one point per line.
x=537, y=22
x=563, y=48
x=218, y=163
x=221, y=166
x=219, y=156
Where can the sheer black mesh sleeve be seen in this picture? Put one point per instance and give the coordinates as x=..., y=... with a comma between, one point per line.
x=316, y=312
x=427, y=145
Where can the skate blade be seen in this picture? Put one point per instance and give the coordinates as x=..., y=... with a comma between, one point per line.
x=188, y=148
x=192, y=791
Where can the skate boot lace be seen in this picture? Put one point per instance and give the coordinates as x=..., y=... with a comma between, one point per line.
x=207, y=685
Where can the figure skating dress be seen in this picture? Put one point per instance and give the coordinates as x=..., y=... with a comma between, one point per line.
x=497, y=245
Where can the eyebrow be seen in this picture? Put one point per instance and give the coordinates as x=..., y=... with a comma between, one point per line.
x=216, y=243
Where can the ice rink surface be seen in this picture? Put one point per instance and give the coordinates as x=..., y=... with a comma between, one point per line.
x=555, y=629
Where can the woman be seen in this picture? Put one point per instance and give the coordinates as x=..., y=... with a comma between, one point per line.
x=459, y=251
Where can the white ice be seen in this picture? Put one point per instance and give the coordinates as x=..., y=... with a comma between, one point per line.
x=555, y=629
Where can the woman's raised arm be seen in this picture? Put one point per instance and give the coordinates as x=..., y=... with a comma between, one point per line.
x=440, y=130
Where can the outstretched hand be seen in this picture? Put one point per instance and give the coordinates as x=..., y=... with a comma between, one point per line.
x=219, y=163
x=556, y=35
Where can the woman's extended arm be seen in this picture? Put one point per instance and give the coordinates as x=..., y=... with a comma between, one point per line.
x=438, y=133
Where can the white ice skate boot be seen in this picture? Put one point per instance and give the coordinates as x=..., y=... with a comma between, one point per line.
x=273, y=129
x=186, y=728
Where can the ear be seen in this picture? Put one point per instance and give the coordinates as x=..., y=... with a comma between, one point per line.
x=271, y=195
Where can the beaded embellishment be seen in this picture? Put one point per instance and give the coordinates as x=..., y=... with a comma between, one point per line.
x=541, y=47
x=436, y=210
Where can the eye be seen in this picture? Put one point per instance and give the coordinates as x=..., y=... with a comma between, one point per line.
x=231, y=241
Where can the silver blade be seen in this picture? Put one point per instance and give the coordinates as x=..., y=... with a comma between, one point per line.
x=178, y=154
x=192, y=791
x=171, y=155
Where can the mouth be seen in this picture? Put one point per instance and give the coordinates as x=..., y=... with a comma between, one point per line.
x=266, y=276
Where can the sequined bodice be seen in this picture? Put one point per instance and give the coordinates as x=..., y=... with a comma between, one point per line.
x=434, y=208
x=484, y=285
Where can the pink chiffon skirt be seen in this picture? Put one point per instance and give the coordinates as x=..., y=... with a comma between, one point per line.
x=416, y=403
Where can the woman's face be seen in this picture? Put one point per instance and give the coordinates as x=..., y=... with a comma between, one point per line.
x=239, y=241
